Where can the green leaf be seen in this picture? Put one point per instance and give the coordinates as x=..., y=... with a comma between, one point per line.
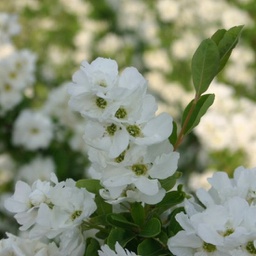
x=92, y=247
x=122, y=236
x=138, y=213
x=173, y=137
x=171, y=199
x=103, y=208
x=197, y=110
x=150, y=247
x=227, y=44
x=91, y=185
x=152, y=228
x=205, y=64
x=170, y=182
x=120, y=221
x=174, y=226
x=218, y=35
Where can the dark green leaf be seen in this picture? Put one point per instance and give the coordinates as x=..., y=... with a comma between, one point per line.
x=170, y=182
x=218, y=35
x=122, y=236
x=92, y=247
x=138, y=213
x=171, y=199
x=152, y=228
x=174, y=226
x=227, y=44
x=120, y=221
x=205, y=64
x=150, y=247
x=103, y=208
x=173, y=136
x=91, y=185
x=196, y=110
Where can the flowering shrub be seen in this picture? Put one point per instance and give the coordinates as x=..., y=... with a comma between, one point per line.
x=130, y=203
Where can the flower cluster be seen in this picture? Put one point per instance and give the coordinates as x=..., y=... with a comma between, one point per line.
x=53, y=210
x=129, y=147
x=223, y=223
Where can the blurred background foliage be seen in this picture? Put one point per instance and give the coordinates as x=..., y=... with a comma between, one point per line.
x=158, y=37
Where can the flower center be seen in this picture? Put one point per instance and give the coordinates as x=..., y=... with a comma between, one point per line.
x=101, y=103
x=228, y=232
x=250, y=247
x=133, y=130
x=7, y=88
x=121, y=113
x=139, y=169
x=209, y=247
x=34, y=130
x=76, y=214
x=111, y=129
x=120, y=158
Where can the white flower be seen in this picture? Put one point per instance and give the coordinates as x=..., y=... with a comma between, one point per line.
x=119, y=251
x=39, y=168
x=26, y=201
x=32, y=130
x=17, y=246
x=69, y=206
x=216, y=230
x=8, y=27
x=142, y=166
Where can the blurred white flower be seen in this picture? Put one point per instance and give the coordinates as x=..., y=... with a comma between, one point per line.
x=39, y=168
x=32, y=130
x=13, y=245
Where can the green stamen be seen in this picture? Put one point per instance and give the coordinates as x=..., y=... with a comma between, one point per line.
x=121, y=113
x=250, y=248
x=76, y=214
x=101, y=103
x=133, y=130
x=120, y=158
x=139, y=169
x=209, y=247
x=111, y=129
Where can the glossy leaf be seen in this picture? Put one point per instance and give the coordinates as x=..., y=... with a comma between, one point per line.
x=152, y=228
x=174, y=226
x=122, y=236
x=170, y=182
x=173, y=137
x=138, y=213
x=199, y=109
x=120, y=221
x=205, y=64
x=218, y=35
x=150, y=247
x=91, y=185
x=92, y=247
x=103, y=208
x=227, y=44
x=171, y=199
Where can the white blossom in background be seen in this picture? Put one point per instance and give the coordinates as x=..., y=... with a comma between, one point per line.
x=225, y=122
x=7, y=167
x=13, y=245
x=119, y=251
x=39, y=168
x=16, y=75
x=32, y=130
x=9, y=27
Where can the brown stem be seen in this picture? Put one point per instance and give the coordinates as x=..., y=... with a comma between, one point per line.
x=181, y=134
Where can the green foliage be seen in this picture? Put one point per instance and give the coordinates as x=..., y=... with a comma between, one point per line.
x=194, y=111
x=204, y=66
